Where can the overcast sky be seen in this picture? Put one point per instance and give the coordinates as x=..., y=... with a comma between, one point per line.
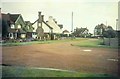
x=86, y=13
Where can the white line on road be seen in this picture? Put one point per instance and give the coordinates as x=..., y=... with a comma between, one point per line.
x=87, y=50
x=112, y=59
x=52, y=69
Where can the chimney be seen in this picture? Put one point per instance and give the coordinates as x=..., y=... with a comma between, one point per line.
x=55, y=21
x=39, y=17
x=42, y=17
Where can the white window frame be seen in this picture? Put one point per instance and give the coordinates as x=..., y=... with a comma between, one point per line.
x=12, y=26
x=11, y=35
x=19, y=26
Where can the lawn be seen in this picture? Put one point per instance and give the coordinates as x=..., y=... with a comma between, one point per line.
x=9, y=71
x=97, y=43
x=81, y=42
x=38, y=42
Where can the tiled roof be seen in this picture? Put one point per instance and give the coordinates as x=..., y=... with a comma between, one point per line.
x=13, y=17
x=10, y=17
x=65, y=31
x=5, y=17
x=100, y=26
x=82, y=29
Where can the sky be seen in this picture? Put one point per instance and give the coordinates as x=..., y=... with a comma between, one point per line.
x=86, y=13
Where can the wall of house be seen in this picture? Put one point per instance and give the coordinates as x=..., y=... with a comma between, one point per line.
x=56, y=28
x=46, y=28
x=19, y=23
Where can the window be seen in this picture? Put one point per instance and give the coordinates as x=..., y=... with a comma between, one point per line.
x=12, y=26
x=10, y=34
x=39, y=24
x=23, y=35
x=19, y=26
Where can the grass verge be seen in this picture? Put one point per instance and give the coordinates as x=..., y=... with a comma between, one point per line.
x=98, y=43
x=9, y=71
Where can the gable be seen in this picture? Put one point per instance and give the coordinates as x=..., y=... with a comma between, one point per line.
x=56, y=28
x=14, y=17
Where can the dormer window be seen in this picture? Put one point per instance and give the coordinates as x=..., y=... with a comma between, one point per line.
x=19, y=26
x=12, y=26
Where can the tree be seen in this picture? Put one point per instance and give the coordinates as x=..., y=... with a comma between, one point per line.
x=109, y=33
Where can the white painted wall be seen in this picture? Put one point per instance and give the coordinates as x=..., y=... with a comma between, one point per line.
x=56, y=28
x=46, y=28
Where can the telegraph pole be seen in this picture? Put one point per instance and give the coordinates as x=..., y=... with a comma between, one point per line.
x=72, y=23
x=72, y=27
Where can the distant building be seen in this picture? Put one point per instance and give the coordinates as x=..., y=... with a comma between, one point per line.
x=66, y=33
x=99, y=30
x=81, y=32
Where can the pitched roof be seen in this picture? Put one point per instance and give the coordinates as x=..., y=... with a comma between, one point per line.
x=47, y=25
x=27, y=22
x=12, y=30
x=44, y=23
x=81, y=30
x=60, y=25
x=10, y=17
x=21, y=31
x=65, y=31
x=101, y=26
x=13, y=17
x=5, y=17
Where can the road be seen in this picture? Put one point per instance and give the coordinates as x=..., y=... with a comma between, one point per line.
x=63, y=56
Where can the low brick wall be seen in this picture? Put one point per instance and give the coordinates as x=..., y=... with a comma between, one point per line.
x=111, y=41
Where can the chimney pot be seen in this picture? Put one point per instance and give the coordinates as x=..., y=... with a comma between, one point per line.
x=42, y=17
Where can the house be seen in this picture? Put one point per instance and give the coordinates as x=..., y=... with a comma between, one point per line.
x=12, y=26
x=57, y=28
x=29, y=30
x=47, y=29
x=43, y=30
x=66, y=33
x=81, y=32
x=99, y=30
